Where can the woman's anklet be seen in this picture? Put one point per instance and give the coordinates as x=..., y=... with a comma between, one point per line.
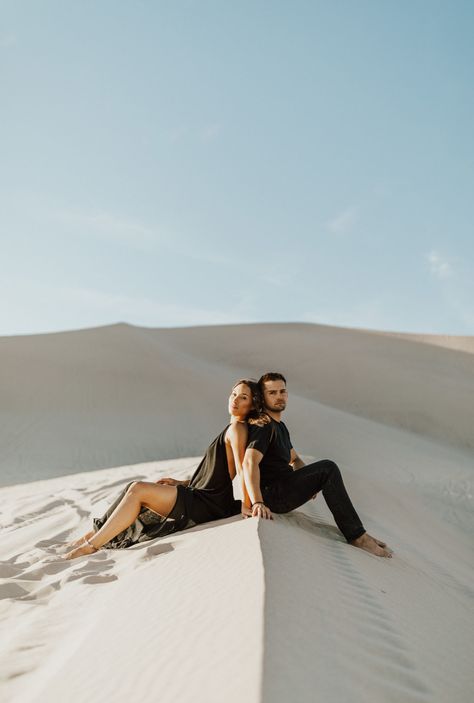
x=91, y=545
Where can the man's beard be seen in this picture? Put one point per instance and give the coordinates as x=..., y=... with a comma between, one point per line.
x=276, y=408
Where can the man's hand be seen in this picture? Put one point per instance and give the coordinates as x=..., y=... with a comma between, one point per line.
x=169, y=481
x=246, y=512
x=261, y=510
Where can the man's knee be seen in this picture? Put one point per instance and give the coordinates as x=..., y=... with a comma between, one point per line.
x=332, y=468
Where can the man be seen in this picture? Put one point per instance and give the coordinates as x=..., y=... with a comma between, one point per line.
x=277, y=479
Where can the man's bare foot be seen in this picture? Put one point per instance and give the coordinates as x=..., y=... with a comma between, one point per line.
x=380, y=543
x=81, y=550
x=372, y=545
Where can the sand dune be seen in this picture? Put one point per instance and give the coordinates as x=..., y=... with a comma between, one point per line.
x=465, y=344
x=108, y=396
x=237, y=609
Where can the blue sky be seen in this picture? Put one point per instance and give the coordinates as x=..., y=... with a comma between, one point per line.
x=185, y=163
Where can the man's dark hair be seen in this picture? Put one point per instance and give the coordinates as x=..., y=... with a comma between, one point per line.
x=270, y=376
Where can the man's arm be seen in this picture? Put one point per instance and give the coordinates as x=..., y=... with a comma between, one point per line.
x=295, y=460
x=251, y=468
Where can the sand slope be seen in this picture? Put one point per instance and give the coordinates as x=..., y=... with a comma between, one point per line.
x=108, y=396
x=237, y=609
x=125, y=619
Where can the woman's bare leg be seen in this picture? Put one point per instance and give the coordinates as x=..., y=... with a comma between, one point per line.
x=160, y=498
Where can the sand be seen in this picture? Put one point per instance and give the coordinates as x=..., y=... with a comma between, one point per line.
x=237, y=609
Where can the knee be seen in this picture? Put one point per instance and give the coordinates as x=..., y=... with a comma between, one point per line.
x=135, y=487
x=332, y=468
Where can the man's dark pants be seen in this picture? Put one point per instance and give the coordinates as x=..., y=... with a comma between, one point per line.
x=297, y=487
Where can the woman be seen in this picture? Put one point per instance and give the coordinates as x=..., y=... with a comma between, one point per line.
x=145, y=510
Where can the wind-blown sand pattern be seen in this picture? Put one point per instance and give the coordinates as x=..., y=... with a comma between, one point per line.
x=237, y=609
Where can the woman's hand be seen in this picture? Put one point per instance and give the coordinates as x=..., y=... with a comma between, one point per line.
x=246, y=512
x=169, y=481
x=261, y=510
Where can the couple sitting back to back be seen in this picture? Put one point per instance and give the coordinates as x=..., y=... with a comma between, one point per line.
x=256, y=446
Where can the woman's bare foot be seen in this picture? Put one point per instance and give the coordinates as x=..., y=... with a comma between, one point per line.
x=72, y=545
x=372, y=545
x=77, y=542
x=81, y=550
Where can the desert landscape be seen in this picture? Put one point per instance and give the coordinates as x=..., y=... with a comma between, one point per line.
x=237, y=609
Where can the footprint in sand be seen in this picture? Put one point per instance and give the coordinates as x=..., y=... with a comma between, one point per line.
x=26, y=591
x=100, y=579
x=43, y=592
x=157, y=549
x=94, y=569
x=91, y=577
x=12, y=590
x=9, y=570
x=47, y=567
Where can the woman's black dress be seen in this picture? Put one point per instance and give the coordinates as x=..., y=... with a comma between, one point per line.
x=209, y=496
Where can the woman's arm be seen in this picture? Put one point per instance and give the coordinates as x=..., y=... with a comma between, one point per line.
x=295, y=461
x=237, y=437
x=173, y=482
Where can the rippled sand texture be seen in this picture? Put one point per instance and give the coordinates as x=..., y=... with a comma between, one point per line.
x=238, y=609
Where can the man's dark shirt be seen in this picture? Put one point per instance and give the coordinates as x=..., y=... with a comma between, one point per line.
x=273, y=441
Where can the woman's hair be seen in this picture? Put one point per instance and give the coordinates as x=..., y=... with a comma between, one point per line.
x=257, y=415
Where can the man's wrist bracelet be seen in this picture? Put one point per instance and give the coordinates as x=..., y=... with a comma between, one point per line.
x=258, y=502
